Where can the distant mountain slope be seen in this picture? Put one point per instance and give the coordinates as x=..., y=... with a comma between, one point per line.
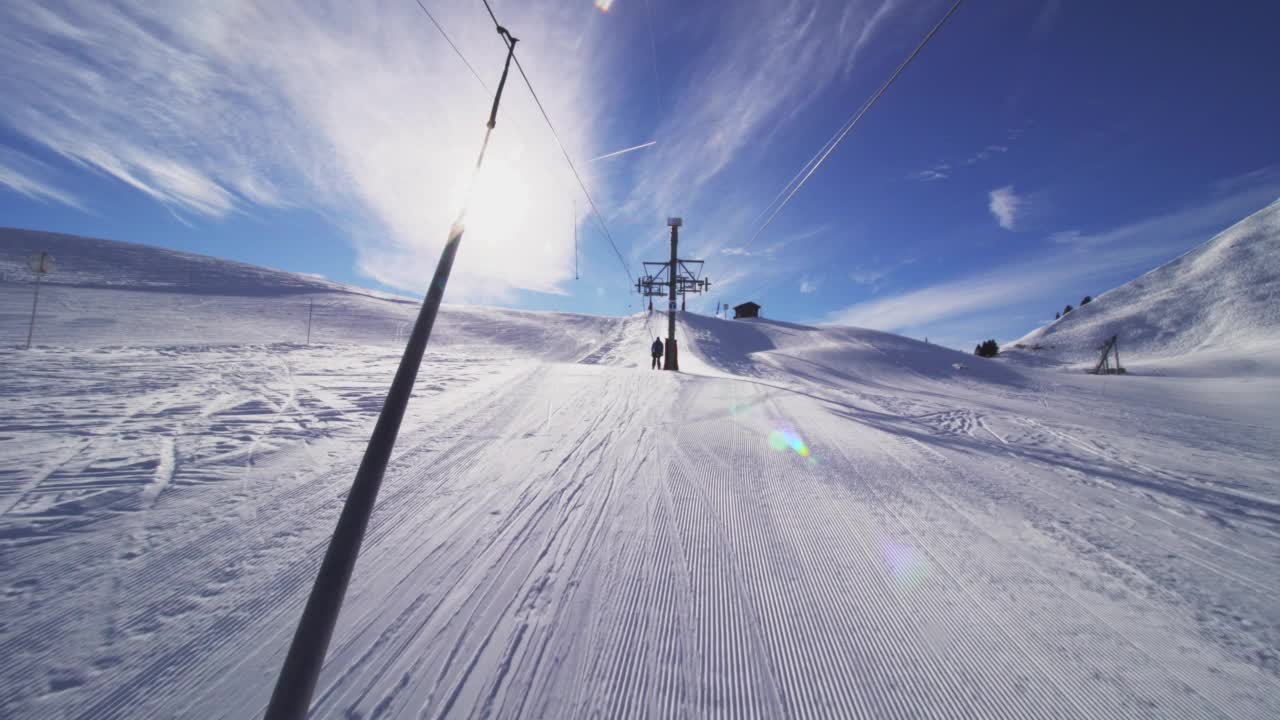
x=1214, y=310
x=93, y=262
x=108, y=293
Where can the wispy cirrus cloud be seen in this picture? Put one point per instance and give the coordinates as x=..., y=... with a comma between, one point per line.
x=744, y=252
x=358, y=111
x=868, y=277
x=771, y=250
x=1006, y=205
x=25, y=175
x=1075, y=262
x=995, y=292
x=874, y=275
x=986, y=153
x=1233, y=201
x=103, y=87
x=870, y=25
x=943, y=170
x=743, y=86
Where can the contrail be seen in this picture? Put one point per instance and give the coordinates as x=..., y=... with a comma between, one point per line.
x=624, y=151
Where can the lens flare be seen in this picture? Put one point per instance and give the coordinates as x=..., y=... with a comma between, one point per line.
x=780, y=440
x=908, y=565
x=604, y=5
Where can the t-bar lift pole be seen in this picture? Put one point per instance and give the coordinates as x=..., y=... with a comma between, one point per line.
x=297, y=681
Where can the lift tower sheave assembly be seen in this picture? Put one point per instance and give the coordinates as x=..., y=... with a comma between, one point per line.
x=674, y=277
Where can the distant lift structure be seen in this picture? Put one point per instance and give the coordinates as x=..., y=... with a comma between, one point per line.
x=673, y=277
x=1104, y=366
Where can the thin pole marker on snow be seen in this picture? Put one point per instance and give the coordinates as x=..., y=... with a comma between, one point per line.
x=311, y=306
x=41, y=265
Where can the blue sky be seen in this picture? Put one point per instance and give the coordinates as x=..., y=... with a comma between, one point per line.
x=1035, y=152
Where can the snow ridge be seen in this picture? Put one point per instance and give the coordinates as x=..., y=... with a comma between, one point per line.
x=1213, y=311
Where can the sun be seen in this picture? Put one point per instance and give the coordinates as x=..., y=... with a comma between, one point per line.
x=501, y=191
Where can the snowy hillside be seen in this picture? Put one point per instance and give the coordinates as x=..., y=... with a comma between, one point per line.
x=106, y=293
x=1214, y=311
x=826, y=522
x=788, y=350
x=95, y=263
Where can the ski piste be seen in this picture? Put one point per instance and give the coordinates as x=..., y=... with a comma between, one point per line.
x=804, y=520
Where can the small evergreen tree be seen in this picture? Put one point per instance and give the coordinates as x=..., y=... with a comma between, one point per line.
x=1087, y=299
x=1067, y=309
x=987, y=349
x=1057, y=316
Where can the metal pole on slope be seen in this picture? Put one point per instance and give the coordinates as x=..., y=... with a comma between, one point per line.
x=672, y=361
x=292, y=695
x=39, y=265
x=35, y=299
x=311, y=306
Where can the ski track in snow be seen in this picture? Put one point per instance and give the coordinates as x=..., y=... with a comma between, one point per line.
x=804, y=523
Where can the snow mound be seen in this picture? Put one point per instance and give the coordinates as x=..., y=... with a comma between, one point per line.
x=831, y=355
x=1214, y=311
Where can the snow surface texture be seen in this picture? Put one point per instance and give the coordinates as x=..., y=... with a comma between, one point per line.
x=1213, y=312
x=804, y=522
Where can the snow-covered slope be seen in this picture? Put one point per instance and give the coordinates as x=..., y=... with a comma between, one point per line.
x=95, y=263
x=761, y=346
x=803, y=522
x=1214, y=311
x=107, y=293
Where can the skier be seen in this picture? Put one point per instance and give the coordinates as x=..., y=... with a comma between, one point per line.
x=656, y=351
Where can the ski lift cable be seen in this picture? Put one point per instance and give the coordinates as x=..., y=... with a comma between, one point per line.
x=812, y=159
x=483, y=84
x=581, y=184
x=804, y=168
x=595, y=211
x=853, y=121
x=491, y=15
x=452, y=45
